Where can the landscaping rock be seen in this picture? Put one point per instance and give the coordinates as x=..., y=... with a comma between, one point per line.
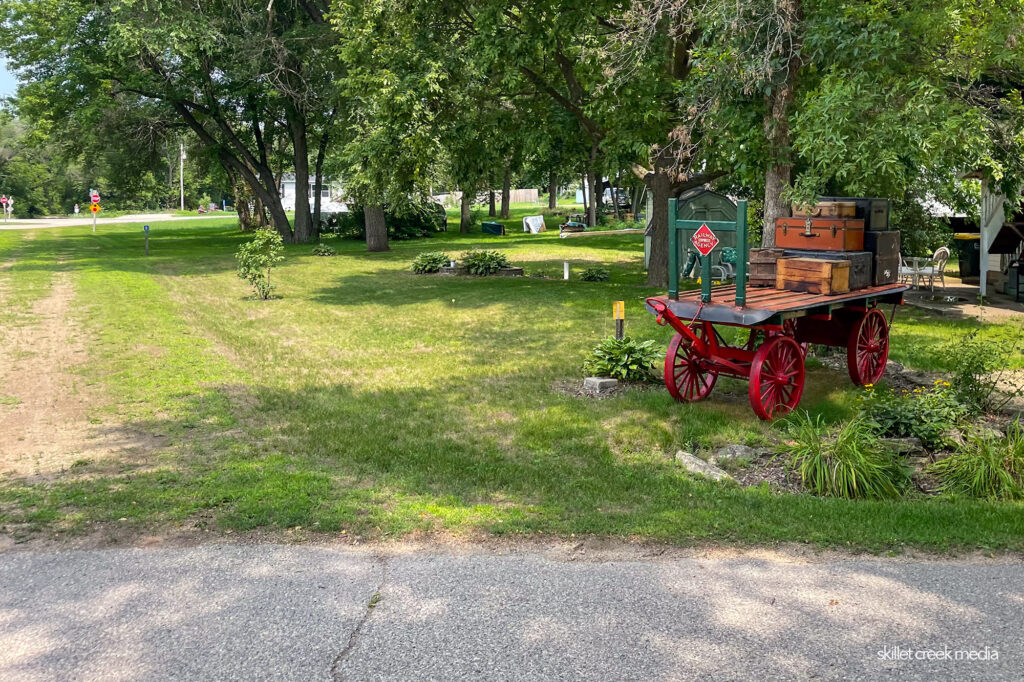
x=696, y=465
x=457, y=270
x=599, y=385
x=987, y=432
x=954, y=436
x=510, y=272
x=906, y=446
x=733, y=452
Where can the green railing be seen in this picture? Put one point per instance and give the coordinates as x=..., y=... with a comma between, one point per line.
x=717, y=226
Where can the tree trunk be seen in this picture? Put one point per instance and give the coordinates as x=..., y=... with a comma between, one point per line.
x=465, y=218
x=506, y=191
x=321, y=153
x=659, y=183
x=615, y=198
x=304, y=229
x=583, y=185
x=592, y=180
x=552, y=190
x=376, y=228
x=776, y=129
x=491, y=204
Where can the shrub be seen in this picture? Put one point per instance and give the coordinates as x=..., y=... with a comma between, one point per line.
x=991, y=468
x=595, y=275
x=410, y=222
x=430, y=261
x=257, y=257
x=975, y=363
x=848, y=461
x=626, y=359
x=924, y=413
x=323, y=250
x=484, y=262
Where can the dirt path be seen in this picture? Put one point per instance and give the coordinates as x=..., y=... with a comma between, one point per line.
x=44, y=406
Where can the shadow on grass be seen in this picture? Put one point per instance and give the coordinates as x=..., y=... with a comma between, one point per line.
x=391, y=461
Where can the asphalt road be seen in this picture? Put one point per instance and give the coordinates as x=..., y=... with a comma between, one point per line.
x=86, y=220
x=308, y=613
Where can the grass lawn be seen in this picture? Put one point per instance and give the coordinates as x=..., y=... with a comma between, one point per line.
x=369, y=400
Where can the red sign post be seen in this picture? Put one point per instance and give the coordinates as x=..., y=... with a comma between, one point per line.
x=704, y=240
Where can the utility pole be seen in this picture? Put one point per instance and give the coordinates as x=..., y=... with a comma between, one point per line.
x=181, y=174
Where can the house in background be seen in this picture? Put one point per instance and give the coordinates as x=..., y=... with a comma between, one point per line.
x=330, y=195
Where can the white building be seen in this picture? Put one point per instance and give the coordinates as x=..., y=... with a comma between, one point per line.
x=330, y=194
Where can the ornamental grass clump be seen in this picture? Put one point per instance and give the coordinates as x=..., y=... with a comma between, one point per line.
x=985, y=467
x=848, y=461
x=430, y=261
x=626, y=359
x=257, y=257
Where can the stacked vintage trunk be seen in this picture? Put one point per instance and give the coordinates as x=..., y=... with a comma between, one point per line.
x=834, y=247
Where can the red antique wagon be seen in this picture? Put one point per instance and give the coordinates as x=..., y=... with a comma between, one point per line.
x=781, y=324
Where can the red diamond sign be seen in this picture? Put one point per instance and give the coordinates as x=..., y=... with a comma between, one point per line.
x=704, y=240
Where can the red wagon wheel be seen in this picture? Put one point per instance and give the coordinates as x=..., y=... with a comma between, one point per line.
x=687, y=375
x=776, y=377
x=867, y=349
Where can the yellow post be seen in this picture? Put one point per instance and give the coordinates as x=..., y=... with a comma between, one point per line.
x=619, y=313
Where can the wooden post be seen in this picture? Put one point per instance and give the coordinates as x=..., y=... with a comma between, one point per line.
x=741, y=253
x=673, y=252
x=619, y=312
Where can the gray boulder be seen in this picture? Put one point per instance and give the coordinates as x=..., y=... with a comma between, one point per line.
x=696, y=465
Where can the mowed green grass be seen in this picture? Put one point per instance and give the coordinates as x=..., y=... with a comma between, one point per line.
x=369, y=400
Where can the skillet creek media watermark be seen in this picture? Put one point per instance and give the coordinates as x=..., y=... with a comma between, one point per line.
x=902, y=653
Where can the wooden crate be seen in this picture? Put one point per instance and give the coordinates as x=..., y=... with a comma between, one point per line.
x=762, y=267
x=861, y=264
x=813, y=275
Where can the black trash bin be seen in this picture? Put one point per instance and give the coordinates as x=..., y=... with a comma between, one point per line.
x=968, y=248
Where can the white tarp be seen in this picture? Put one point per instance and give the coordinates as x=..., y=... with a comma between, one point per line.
x=534, y=224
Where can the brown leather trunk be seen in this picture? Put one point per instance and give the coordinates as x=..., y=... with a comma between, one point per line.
x=826, y=209
x=819, y=234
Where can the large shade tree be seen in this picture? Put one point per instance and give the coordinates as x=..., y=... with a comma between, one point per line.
x=244, y=77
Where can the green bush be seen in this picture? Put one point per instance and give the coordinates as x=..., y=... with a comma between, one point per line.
x=411, y=222
x=481, y=262
x=924, y=413
x=430, y=261
x=991, y=468
x=626, y=359
x=848, y=461
x=976, y=364
x=257, y=257
x=595, y=275
x=323, y=250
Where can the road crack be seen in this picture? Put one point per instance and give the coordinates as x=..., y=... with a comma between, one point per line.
x=371, y=606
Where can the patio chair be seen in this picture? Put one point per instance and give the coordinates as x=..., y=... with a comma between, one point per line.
x=908, y=273
x=936, y=268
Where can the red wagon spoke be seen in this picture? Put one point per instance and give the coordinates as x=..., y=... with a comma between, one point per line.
x=776, y=377
x=868, y=348
x=686, y=376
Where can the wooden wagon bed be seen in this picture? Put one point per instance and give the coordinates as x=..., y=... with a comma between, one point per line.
x=772, y=306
